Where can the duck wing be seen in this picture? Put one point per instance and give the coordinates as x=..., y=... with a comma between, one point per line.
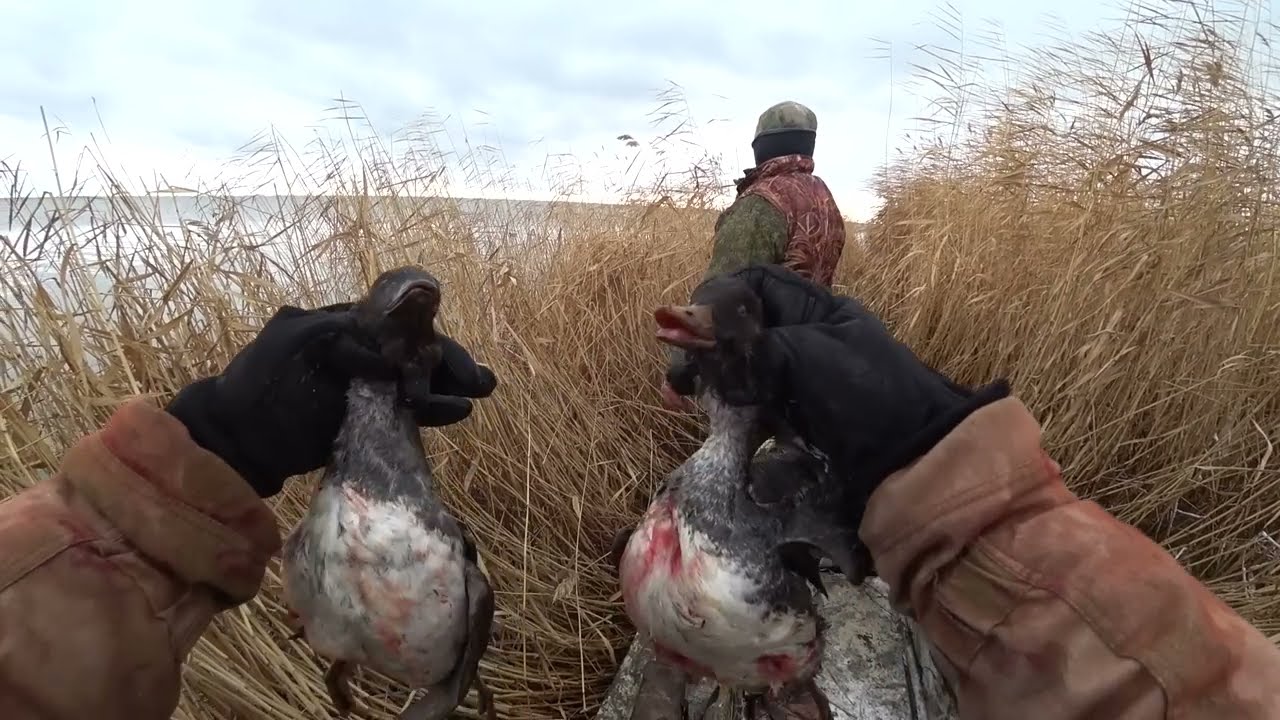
x=447, y=695
x=618, y=547
x=798, y=557
x=623, y=535
x=793, y=484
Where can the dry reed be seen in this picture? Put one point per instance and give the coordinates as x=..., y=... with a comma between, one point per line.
x=1104, y=235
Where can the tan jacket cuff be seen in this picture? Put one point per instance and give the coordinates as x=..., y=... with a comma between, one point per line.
x=991, y=466
x=1036, y=600
x=175, y=502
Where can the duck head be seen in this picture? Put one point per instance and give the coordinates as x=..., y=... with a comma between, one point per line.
x=719, y=329
x=399, y=311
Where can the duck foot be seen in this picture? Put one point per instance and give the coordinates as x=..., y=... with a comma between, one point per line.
x=433, y=704
x=812, y=705
x=756, y=702
x=338, y=681
x=708, y=710
x=725, y=703
x=485, y=698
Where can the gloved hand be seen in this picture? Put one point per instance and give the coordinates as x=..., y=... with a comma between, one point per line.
x=275, y=410
x=831, y=370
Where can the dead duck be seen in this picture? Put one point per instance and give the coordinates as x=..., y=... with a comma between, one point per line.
x=378, y=573
x=717, y=571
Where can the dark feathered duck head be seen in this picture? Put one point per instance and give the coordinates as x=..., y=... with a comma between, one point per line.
x=719, y=329
x=399, y=311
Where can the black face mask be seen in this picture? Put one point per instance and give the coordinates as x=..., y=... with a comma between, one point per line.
x=792, y=142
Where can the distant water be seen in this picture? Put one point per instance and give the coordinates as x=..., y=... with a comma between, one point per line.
x=163, y=210
x=252, y=214
x=38, y=233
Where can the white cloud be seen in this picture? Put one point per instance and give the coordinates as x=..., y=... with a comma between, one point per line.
x=179, y=87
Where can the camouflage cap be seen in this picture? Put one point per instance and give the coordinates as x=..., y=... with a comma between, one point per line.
x=785, y=117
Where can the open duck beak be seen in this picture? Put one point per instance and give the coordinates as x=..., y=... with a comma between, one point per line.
x=416, y=296
x=686, y=326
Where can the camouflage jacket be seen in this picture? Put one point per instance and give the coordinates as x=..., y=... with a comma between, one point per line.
x=783, y=214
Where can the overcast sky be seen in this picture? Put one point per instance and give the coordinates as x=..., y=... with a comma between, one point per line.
x=173, y=89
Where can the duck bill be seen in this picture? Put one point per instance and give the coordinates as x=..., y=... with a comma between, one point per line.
x=415, y=298
x=686, y=326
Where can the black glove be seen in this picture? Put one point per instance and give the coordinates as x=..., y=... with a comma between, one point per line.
x=275, y=410
x=834, y=374
x=445, y=397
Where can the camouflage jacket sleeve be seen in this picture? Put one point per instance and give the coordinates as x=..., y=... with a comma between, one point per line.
x=1038, y=603
x=751, y=231
x=111, y=570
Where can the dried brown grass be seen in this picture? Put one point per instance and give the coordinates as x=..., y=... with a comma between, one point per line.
x=1105, y=233
x=1111, y=249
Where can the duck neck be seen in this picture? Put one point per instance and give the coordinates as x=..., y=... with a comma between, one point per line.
x=719, y=468
x=379, y=446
